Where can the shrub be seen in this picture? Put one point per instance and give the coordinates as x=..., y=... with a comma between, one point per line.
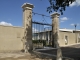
x=39, y=41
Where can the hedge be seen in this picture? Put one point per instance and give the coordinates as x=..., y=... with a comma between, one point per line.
x=39, y=41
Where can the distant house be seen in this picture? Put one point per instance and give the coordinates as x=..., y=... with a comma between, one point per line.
x=66, y=36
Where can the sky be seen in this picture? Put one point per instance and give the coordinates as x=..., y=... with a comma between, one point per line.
x=11, y=13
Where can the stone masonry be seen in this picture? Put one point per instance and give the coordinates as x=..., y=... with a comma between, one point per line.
x=27, y=24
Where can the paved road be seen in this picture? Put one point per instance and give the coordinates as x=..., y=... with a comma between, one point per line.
x=70, y=51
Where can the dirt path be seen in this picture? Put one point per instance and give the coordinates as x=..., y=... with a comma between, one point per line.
x=17, y=56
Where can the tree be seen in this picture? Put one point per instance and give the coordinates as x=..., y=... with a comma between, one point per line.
x=59, y=5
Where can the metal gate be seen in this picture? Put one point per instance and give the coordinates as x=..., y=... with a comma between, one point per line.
x=41, y=34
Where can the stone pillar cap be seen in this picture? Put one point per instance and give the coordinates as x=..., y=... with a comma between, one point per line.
x=27, y=5
x=55, y=14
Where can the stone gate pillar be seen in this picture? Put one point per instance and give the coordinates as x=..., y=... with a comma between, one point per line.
x=55, y=29
x=27, y=24
x=55, y=34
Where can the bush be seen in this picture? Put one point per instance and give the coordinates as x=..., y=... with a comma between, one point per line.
x=39, y=41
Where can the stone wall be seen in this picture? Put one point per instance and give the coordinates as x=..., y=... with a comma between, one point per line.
x=18, y=38
x=11, y=38
x=71, y=38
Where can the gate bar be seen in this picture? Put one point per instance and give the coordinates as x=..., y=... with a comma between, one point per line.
x=41, y=23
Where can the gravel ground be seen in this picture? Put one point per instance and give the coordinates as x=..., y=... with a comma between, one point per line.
x=19, y=56
x=16, y=56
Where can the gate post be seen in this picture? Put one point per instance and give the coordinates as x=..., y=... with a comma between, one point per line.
x=55, y=29
x=55, y=34
x=27, y=24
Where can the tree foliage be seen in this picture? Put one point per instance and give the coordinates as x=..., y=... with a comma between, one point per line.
x=59, y=5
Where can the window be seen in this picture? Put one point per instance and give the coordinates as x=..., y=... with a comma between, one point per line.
x=66, y=40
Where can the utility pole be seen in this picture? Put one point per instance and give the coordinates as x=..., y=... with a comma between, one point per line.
x=75, y=25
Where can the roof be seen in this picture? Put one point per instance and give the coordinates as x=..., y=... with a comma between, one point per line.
x=68, y=30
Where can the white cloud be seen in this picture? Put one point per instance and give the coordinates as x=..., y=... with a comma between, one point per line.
x=75, y=24
x=76, y=3
x=72, y=24
x=73, y=4
x=64, y=18
x=5, y=23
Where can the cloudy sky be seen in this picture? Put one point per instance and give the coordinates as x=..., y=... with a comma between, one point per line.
x=11, y=13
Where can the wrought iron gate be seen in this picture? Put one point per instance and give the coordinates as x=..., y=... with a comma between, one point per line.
x=41, y=34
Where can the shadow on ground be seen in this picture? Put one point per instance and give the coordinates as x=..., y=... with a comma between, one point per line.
x=68, y=53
